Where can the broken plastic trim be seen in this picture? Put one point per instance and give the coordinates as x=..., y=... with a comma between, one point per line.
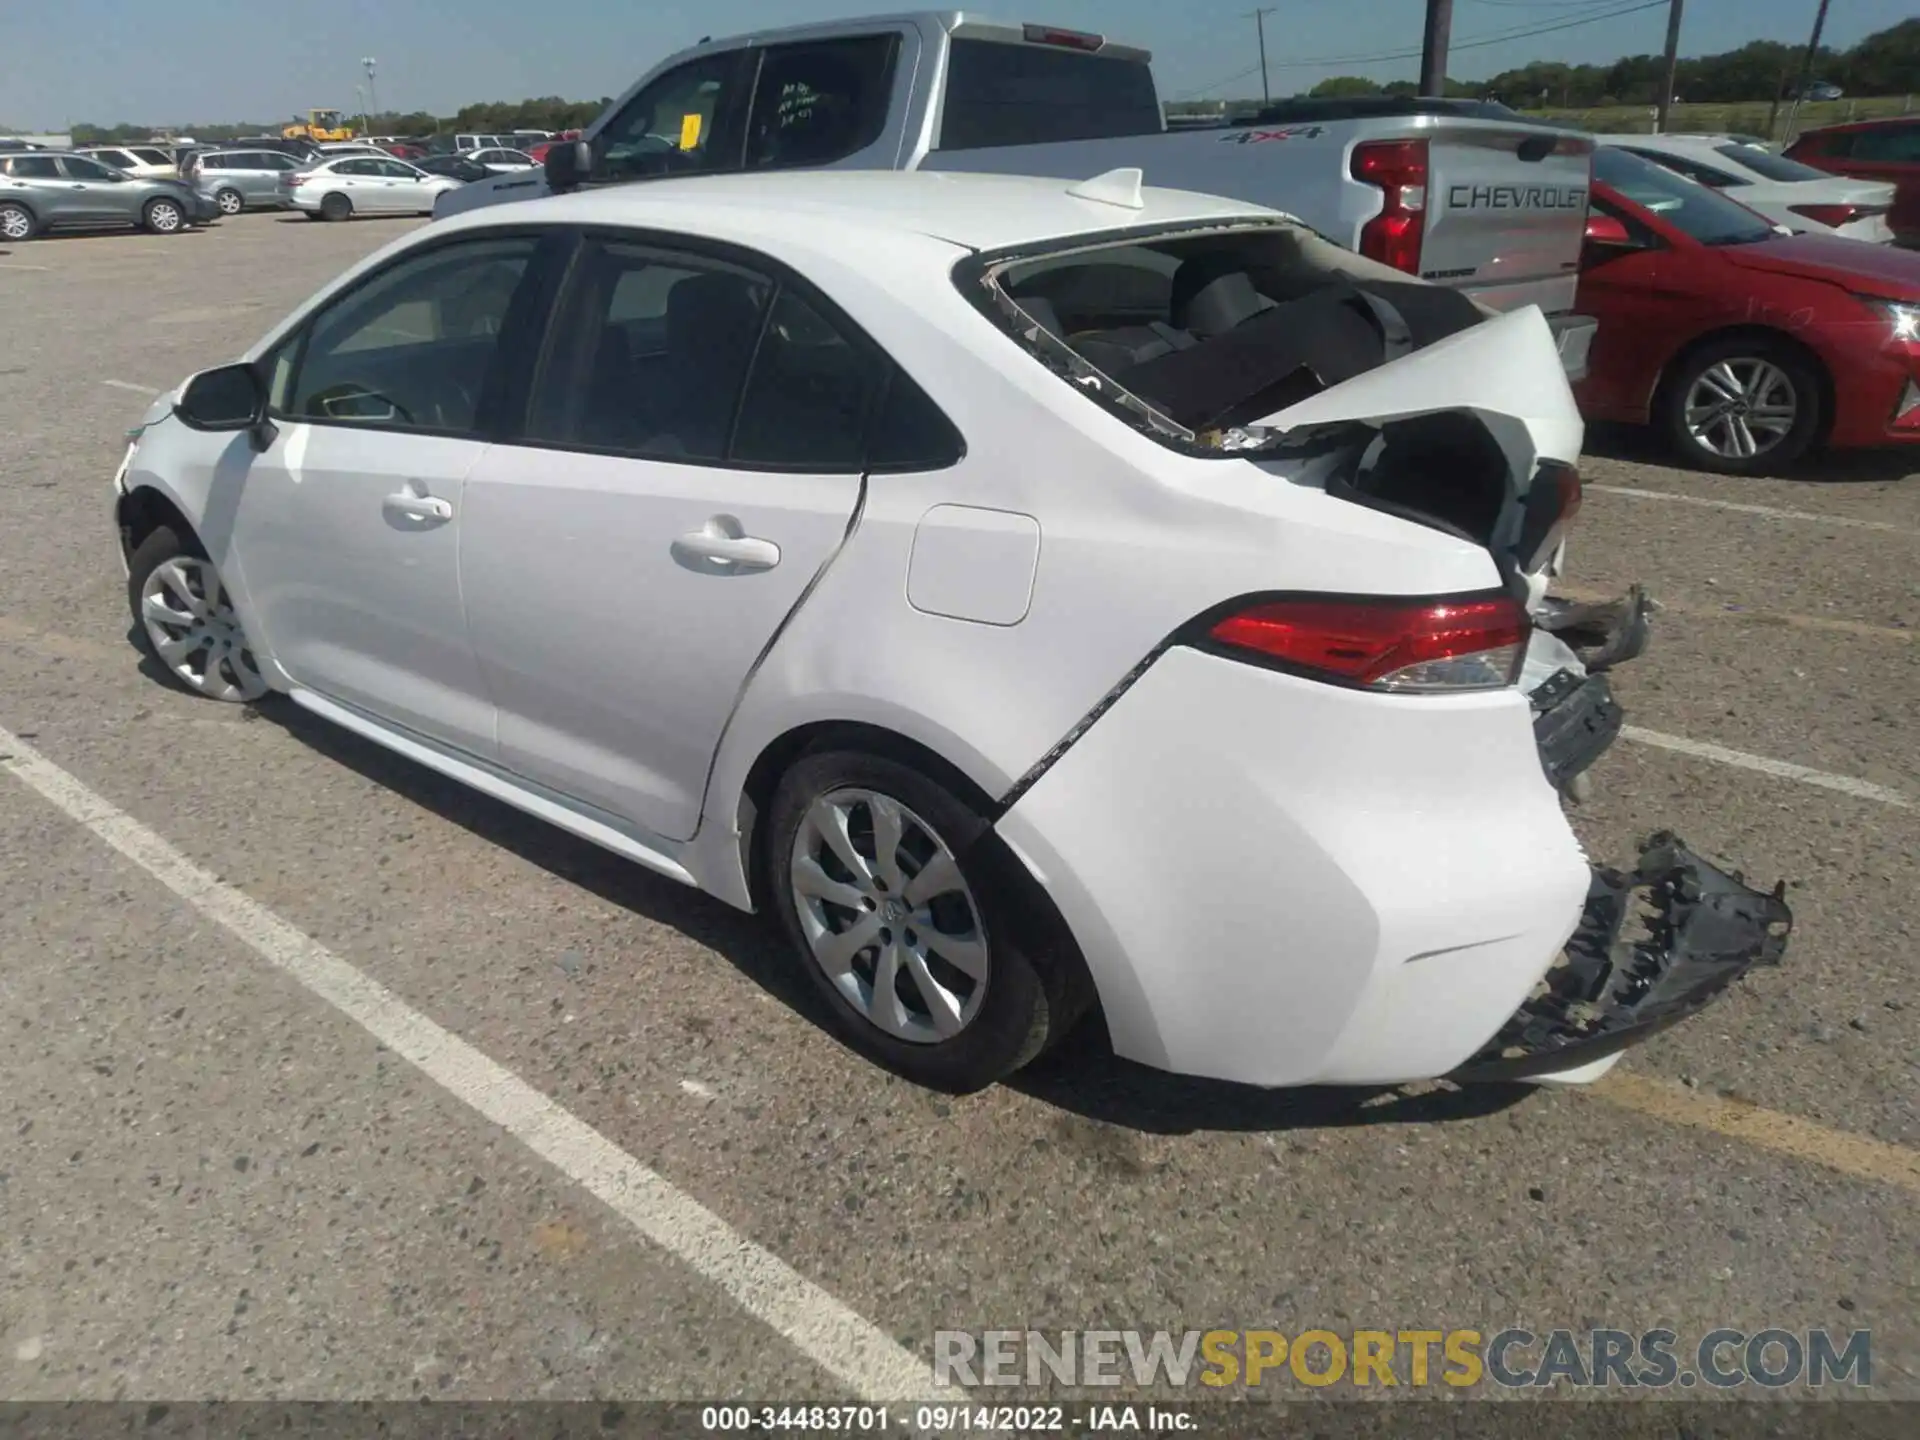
x=1575, y=721
x=1704, y=930
x=1603, y=635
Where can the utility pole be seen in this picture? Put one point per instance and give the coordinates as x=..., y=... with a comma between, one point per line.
x=1433, y=47
x=1260, y=28
x=1670, y=71
x=373, y=99
x=1806, y=70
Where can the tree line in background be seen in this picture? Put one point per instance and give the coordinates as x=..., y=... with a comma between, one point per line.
x=549, y=113
x=1886, y=62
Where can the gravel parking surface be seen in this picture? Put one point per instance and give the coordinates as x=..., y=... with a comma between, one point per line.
x=217, y=1184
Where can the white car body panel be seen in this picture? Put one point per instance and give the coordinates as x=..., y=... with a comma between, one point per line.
x=1368, y=884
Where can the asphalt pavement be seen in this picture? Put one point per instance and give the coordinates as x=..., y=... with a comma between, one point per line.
x=325, y=1078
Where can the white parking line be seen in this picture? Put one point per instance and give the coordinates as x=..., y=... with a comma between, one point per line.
x=1771, y=512
x=1784, y=769
x=857, y=1353
x=146, y=390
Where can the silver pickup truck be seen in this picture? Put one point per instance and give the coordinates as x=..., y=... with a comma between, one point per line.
x=1494, y=208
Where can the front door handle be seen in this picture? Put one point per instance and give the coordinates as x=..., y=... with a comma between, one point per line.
x=721, y=545
x=416, y=505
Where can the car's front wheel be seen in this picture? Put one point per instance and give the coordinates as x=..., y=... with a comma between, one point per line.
x=1744, y=405
x=164, y=217
x=185, y=618
x=910, y=923
x=17, y=223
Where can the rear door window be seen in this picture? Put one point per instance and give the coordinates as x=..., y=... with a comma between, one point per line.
x=1005, y=93
x=810, y=395
x=819, y=102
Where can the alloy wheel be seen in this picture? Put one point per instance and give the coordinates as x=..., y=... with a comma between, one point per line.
x=190, y=619
x=164, y=216
x=229, y=202
x=15, y=223
x=1741, y=407
x=888, y=916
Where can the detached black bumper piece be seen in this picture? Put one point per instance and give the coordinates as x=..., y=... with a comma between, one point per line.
x=1704, y=929
x=1604, y=634
x=1574, y=721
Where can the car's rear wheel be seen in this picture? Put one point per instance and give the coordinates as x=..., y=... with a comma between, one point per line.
x=17, y=223
x=1743, y=405
x=230, y=201
x=164, y=217
x=909, y=924
x=185, y=618
x=336, y=206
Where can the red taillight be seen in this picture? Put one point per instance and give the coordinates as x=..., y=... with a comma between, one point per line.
x=1053, y=35
x=1473, y=643
x=1837, y=215
x=1399, y=169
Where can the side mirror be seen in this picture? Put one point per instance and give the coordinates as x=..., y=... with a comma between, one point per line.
x=232, y=397
x=1609, y=232
x=567, y=166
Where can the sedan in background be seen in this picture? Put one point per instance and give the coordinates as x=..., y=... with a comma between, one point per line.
x=454, y=167
x=364, y=185
x=143, y=162
x=50, y=190
x=1886, y=150
x=816, y=472
x=1788, y=193
x=1744, y=347
x=502, y=161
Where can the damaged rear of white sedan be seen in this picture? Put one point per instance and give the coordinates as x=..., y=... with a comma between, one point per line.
x=1050, y=598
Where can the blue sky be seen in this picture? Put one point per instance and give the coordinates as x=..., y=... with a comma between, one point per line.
x=107, y=61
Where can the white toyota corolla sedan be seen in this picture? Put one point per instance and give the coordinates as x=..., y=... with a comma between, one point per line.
x=1041, y=596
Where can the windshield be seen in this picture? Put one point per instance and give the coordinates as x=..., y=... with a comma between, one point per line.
x=1768, y=165
x=1707, y=216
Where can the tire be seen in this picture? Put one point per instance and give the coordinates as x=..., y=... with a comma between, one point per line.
x=164, y=217
x=229, y=201
x=1019, y=994
x=335, y=206
x=1712, y=403
x=205, y=653
x=18, y=224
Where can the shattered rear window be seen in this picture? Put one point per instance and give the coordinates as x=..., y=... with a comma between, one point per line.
x=1197, y=334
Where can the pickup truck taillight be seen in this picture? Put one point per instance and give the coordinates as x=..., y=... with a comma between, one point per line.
x=1471, y=642
x=1399, y=169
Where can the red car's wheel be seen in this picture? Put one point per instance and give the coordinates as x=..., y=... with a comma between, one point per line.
x=1744, y=405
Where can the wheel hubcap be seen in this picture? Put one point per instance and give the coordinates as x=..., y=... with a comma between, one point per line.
x=230, y=203
x=191, y=621
x=14, y=224
x=1741, y=408
x=165, y=217
x=888, y=916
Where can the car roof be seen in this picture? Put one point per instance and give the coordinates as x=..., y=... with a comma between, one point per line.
x=981, y=212
x=1872, y=124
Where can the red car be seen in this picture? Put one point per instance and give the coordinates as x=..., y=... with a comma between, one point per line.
x=1873, y=150
x=1745, y=346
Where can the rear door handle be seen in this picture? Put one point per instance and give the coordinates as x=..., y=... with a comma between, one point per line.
x=721, y=542
x=416, y=505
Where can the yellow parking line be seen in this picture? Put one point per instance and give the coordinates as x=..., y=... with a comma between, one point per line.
x=1854, y=1155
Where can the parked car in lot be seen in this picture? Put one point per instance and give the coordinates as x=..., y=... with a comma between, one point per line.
x=238, y=180
x=1788, y=193
x=502, y=161
x=363, y=185
x=1745, y=347
x=52, y=190
x=815, y=471
x=455, y=167
x=143, y=162
x=1886, y=150
x=1492, y=207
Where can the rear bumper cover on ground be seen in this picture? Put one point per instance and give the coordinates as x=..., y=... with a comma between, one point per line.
x=1704, y=930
